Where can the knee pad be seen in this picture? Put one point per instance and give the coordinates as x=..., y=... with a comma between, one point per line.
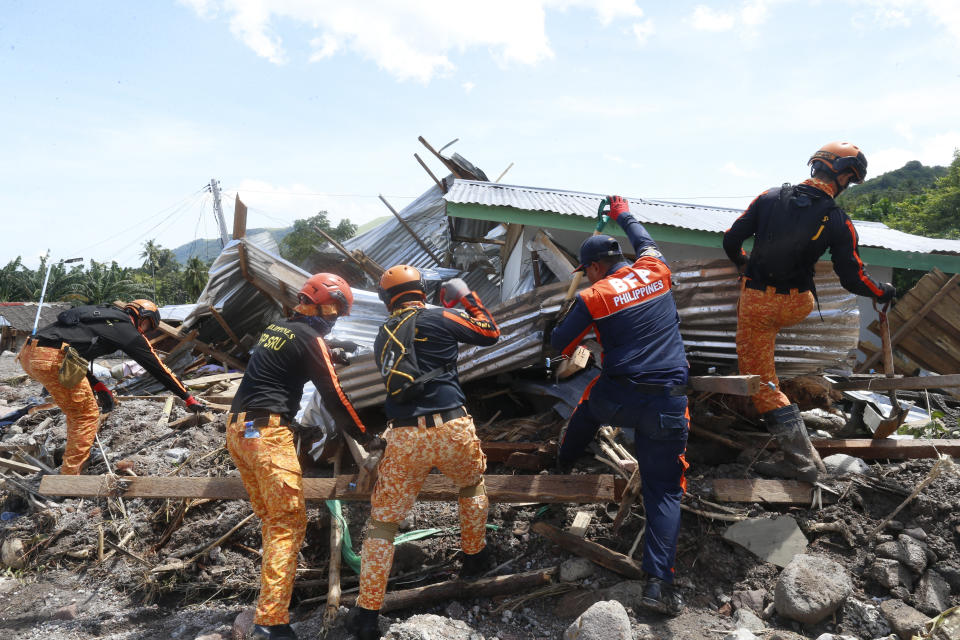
x=473, y=490
x=383, y=530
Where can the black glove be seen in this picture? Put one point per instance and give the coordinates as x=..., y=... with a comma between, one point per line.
x=344, y=345
x=104, y=397
x=889, y=291
x=339, y=356
x=375, y=444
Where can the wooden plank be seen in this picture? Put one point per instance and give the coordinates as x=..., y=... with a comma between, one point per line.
x=730, y=385
x=890, y=449
x=592, y=551
x=501, y=451
x=580, y=523
x=226, y=327
x=886, y=384
x=764, y=491
x=576, y=362
x=204, y=348
x=239, y=219
x=582, y=489
x=21, y=467
x=209, y=380
x=413, y=234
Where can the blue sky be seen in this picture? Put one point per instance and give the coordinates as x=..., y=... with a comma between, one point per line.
x=114, y=115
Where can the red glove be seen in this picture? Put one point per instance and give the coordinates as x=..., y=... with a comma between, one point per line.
x=618, y=205
x=453, y=291
x=104, y=397
x=194, y=405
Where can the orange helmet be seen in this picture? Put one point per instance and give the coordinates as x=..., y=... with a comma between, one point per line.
x=328, y=288
x=143, y=309
x=838, y=157
x=399, y=280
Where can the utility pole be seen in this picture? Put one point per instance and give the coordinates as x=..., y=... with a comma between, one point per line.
x=218, y=212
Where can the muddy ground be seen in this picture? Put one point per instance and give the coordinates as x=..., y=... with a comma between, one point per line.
x=64, y=593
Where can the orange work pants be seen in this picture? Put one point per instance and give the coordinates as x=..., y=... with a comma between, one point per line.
x=760, y=315
x=78, y=404
x=412, y=452
x=271, y=474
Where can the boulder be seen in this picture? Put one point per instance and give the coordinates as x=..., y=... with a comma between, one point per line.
x=950, y=573
x=605, y=620
x=747, y=619
x=751, y=599
x=430, y=627
x=774, y=540
x=902, y=618
x=840, y=464
x=576, y=569
x=909, y=551
x=933, y=594
x=243, y=623
x=627, y=593
x=889, y=573
x=810, y=588
x=11, y=553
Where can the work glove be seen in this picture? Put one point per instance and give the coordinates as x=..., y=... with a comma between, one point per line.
x=375, y=444
x=618, y=205
x=339, y=356
x=194, y=405
x=889, y=291
x=453, y=291
x=104, y=397
x=346, y=345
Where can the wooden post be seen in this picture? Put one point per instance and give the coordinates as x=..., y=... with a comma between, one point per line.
x=629, y=497
x=373, y=269
x=429, y=173
x=616, y=562
x=239, y=219
x=413, y=234
x=226, y=327
x=336, y=544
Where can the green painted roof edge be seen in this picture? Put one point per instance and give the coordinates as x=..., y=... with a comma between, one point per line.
x=667, y=233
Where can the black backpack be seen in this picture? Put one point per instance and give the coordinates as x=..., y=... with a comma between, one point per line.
x=397, y=358
x=779, y=248
x=91, y=313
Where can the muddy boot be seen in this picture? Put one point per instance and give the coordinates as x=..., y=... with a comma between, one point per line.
x=787, y=426
x=475, y=565
x=661, y=597
x=272, y=632
x=363, y=623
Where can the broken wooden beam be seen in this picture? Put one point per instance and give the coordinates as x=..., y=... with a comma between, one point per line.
x=578, y=489
x=413, y=234
x=596, y=553
x=888, y=384
x=730, y=385
x=192, y=420
x=202, y=347
x=462, y=590
x=501, y=451
x=886, y=448
x=20, y=467
x=763, y=491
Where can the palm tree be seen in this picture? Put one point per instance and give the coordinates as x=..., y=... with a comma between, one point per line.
x=29, y=284
x=150, y=253
x=106, y=284
x=195, y=276
x=8, y=280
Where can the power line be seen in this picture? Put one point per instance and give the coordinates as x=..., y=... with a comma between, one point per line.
x=328, y=195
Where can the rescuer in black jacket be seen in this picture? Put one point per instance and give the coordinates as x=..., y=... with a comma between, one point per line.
x=94, y=331
x=261, y=443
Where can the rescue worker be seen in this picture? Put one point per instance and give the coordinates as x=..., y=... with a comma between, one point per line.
x=642, y=385
x=94, y=331
x=792, y=226
x=260, y=435
x=432, y=430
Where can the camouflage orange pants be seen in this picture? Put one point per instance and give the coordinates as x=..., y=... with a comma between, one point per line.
x=78, y=404
x=411, y=453
x=760, y=315
x=271, y=474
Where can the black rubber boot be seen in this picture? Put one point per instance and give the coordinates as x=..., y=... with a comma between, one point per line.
x=787, y=426
x=363, y=623
x=475, y=565
x=661, y=597
x=272, y=632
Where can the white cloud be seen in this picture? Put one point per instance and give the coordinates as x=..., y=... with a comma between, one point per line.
x=935, y=150
x=706, y=19
x=411, y=40
x=468, y=86
x=271, y=205
x=643, y=30
x=897, y=12
x=754, y=12
x=734, y=170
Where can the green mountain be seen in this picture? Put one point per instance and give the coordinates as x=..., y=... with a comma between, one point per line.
x=207, y=249
x=896, y=186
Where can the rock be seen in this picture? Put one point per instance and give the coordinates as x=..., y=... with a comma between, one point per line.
x=455, y=610
x=176, y=456
x=902, y=618
x=605, y=620
x=430, y=627
x=866, y=618
x=576, y=569
x=933, y=594
x=11, y=553
x=916, y=533
x=843, y=465
x=740, y=634
x=243, y=623
x=408, y=556
x=752, y=600
x=949, y=573
x=810, y=588
x=408, y=523
x=68, y=612
x=8, y=584
x=889, y=573
x=775, y=540
x=747, y=619
x=210, y=636
x=909, y=551
x=627, y=593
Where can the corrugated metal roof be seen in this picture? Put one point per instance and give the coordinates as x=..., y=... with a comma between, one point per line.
x=683, y=216
x=21, y=315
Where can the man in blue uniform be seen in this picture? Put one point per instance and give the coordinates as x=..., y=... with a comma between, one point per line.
x=631, y=310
